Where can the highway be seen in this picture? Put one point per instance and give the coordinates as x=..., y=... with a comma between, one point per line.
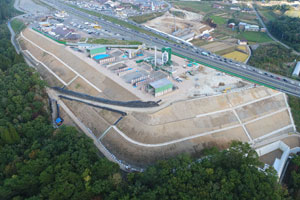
x=241, y=70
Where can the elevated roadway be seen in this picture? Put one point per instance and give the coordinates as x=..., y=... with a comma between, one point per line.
x=247, y=72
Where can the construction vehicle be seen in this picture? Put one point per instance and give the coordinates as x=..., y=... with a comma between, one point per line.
x=58, y=120
x=227, y=89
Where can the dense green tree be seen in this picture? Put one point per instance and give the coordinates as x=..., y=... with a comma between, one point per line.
x=228, y=174
x=287, y=30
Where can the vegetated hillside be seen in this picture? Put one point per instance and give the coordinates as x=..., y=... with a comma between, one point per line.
x=292, y=177
x=287, y=30
x=36, y=161
x=284, y=23
x=274, y=58
x=228, y=174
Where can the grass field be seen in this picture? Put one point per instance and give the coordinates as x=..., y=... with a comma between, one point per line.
x=254, y=37
x=242, y=48
x=17, y=25
x=178, y=14
x=225, y=51
x=112, y=41
x=199, y=42
x=218, y=20
x=194, y=6
x=293, y=13
x=144, y=18
x=236, y=55
x=268, y=15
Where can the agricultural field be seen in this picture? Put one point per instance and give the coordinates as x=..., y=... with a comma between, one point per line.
x=218, y=20
x=254, y=37
x=193, y=6
x=236, y=55
x=267, y=15
x=242, y=48
x=293, y=13
x=218, y=46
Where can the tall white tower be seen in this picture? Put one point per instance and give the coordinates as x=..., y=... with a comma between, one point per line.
x=152, y=6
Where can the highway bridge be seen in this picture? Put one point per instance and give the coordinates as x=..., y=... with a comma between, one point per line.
x=191, y=52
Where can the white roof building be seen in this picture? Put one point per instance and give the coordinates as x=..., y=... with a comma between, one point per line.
x=297, y=69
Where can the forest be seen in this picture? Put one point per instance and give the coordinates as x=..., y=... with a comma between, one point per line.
x=274, y=58
x=286, y=29
x=40, y=162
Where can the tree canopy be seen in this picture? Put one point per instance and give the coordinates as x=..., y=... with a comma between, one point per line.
x=228, y=174
x=287, y=30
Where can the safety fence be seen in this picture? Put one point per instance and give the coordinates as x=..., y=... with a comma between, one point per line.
x=48, y=36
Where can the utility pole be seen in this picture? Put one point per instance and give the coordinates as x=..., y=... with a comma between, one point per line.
x=174, y=23
x=155, y=57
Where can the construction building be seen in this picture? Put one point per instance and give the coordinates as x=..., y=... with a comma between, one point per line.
x=166, y=55
x=96, y=51
x=104, y=58
x=160, y=87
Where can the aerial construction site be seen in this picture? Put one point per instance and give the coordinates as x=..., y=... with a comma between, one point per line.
x=140, y=103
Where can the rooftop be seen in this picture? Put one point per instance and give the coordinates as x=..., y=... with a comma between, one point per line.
x=297, y=69
x=160, y=83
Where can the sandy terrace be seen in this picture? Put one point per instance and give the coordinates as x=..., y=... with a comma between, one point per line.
x=269, y=124
x=201, y=106
x=79, y=85
x=261, y=108
x=175, y=130
x=110, y=89
x=165, y=22
x=56, y=66
x=89, y=116
x=172, y=123
x=292, y=141
x=141, y=156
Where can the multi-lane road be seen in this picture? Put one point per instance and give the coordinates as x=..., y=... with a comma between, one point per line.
x=189, y=51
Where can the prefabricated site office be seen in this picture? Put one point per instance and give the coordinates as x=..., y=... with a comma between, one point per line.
x=96, y=51
x=161, y=87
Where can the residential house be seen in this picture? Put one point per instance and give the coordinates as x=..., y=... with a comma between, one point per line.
x=250, y=27
x=242, y=26
x=242, y=42
x=218, y=6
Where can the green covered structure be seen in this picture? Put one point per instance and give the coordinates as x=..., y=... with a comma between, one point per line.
x=96, y=51
x=161, y=87
x=167, y=57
